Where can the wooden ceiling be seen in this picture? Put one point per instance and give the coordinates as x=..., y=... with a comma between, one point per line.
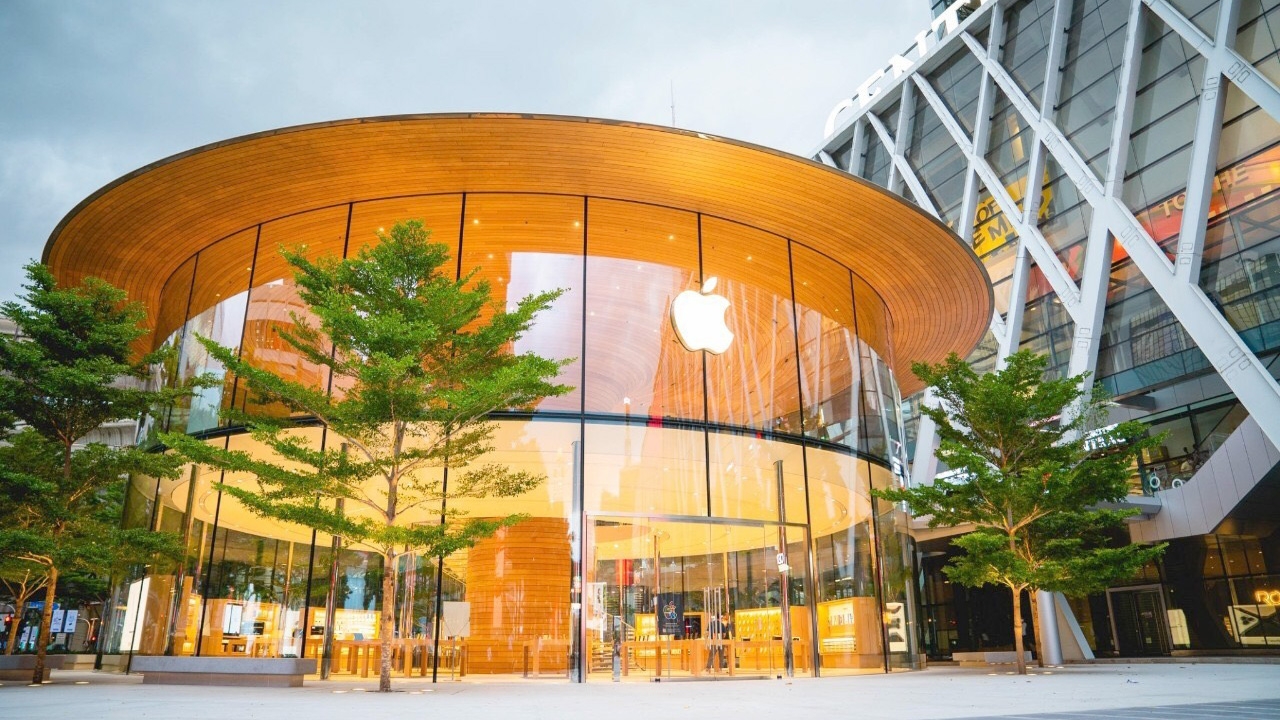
x=138, y=230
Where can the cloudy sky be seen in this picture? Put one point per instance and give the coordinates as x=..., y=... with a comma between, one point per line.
x=90, y=90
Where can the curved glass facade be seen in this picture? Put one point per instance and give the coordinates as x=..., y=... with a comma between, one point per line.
x=733, y=488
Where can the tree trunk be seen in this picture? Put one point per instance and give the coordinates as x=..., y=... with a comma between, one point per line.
x=1035, y=625
x=1017, y=631
x=46, y=619
x=20, y=604
x=387, y=620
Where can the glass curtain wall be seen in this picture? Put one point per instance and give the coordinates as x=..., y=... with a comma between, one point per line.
x=734, y=485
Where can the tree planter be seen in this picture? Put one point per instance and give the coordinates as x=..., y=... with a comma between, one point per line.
x=260, y=672
x=20, y=667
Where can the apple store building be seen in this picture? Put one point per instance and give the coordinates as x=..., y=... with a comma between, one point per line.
x=740, y=324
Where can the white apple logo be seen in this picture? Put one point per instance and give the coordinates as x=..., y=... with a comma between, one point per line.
x=698, y=318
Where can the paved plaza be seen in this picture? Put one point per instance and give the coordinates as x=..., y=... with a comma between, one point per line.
x=1133, y=692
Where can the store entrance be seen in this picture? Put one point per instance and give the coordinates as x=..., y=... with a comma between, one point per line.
x=1139, y=621
x=674, y=599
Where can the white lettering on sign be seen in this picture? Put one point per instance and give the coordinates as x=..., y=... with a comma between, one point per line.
x=898, y=66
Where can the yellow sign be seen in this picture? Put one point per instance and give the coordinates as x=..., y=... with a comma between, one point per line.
x=1267, y=597
x=991, y=229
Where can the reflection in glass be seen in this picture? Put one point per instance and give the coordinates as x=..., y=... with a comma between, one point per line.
x=753, y=383
x=274, y=301
x=645, y=469
x=848, y=613
x=638, y=259
x=679, y=457
x=527, y=244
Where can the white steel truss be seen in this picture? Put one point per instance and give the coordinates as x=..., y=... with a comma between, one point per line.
x=1176, y=283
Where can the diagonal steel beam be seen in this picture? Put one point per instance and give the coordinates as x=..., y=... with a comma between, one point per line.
x=1096, y=272
x=1037, y=247
x=904, y=170
x=1229, y=62
x=1238, y=367
x=1204, y=152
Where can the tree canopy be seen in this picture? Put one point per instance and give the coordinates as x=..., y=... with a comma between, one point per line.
x=67, y=373
x=1034, y=475
x=418, y=360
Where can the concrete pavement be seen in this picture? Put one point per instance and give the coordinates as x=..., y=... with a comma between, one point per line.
x=1098, y=691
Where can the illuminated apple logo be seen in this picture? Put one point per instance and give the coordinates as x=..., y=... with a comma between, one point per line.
x=698, y=318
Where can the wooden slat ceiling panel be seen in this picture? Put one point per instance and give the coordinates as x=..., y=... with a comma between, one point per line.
x=136, y=231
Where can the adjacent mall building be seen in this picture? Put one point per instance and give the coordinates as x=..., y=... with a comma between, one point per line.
x=690, y=475
x=1116, y=165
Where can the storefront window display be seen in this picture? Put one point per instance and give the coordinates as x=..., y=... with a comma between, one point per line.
x=730, y=320
x=694, y=478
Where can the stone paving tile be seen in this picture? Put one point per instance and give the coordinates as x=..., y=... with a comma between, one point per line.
x=1243, y=710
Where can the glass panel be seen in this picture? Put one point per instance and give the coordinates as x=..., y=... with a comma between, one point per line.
x=957, y=81
x=1204, y=13
x=828, y=347
x=273, y=300
x=873, y=319
x=983, y=357
x=890, y=118
x=526, y=244
x=897, y=573
x=218, y=297
x=639, y=257
x=174, y=300
x=684, y=599
x=939, y=163
x=1026, y=44
x=1164, y=118
x=1143, y=345
x=744, y=481
x=876, y=160
x=441, y=214
x=1241, y=265
x=256, y=579
x=849, y=630
x=1009, y=147
x=1064, y=217
x=1047, y=329
x=754, y=383
x=1090, y=77
x=516, y=584
x=646, y=469
x=1258, y=39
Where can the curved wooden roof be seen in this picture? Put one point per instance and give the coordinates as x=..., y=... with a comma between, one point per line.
x=135, y=231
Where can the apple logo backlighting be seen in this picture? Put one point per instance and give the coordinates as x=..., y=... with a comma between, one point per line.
x=698, y=318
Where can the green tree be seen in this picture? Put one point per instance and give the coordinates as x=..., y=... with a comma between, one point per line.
x=63, y=377
x=1033, y=468
x=21, y=581
x=422, y=359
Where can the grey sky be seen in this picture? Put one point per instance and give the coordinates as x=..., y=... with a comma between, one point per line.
x=92, y=90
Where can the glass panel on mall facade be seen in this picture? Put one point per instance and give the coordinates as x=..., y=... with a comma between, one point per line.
x=733, y=486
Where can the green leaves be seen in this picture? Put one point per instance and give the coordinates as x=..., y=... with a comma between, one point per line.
x=422, y=359
x=1030, y=476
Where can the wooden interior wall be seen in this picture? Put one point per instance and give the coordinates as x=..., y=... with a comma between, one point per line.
x=518, y=586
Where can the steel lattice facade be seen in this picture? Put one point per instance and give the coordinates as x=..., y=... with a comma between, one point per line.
x=1147, y=249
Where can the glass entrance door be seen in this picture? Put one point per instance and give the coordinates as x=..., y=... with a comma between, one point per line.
x=1139, y=621
x=673, y=599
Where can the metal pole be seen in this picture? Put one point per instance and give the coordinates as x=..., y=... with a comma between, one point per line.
x=784, y=571
x=579, y=643
x=657, y=609
x=1049, y=627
